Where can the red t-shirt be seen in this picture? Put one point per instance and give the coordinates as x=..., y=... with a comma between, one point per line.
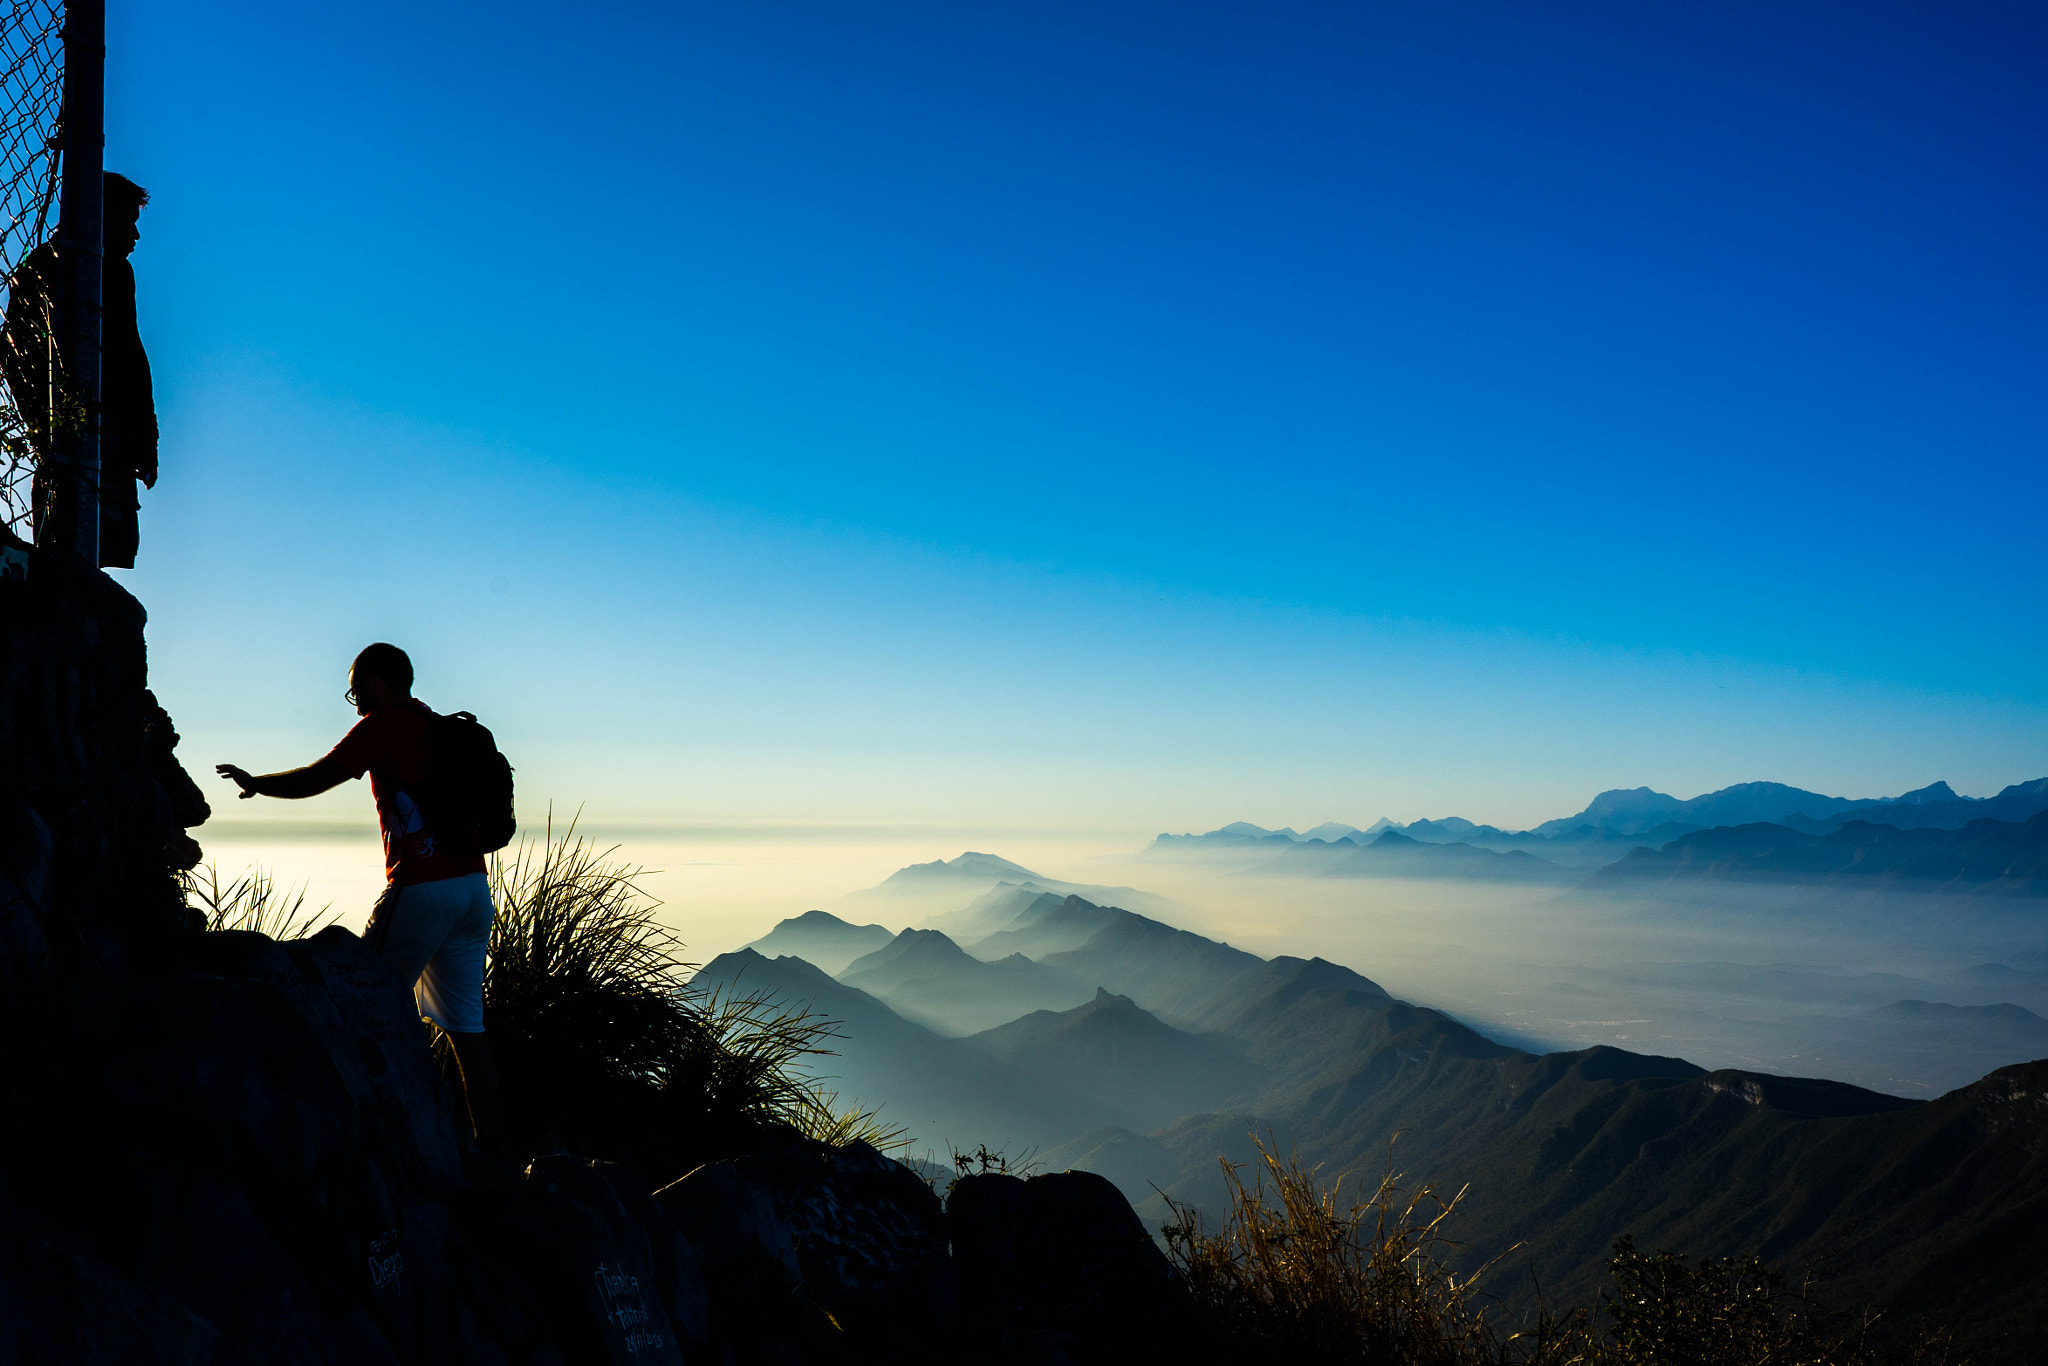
x=390, y=744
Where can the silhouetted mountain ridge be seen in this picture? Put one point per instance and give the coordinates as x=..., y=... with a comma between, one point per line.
x=1619, y=819
x=926, y=977
x=1985, y=856
x=821, y=938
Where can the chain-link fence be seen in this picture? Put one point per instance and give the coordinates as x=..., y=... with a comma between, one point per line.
x=31, y=100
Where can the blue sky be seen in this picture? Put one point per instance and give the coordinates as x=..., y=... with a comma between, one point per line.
x=1122, y=415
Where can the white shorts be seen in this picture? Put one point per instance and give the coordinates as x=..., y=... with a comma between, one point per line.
x=435, y=934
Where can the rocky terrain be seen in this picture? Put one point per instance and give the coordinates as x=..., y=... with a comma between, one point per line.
x=221, y=1148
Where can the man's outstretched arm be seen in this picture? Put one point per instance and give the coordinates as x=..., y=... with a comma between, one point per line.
x=309, y=781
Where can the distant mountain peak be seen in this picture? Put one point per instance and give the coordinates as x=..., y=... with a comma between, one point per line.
x=970, y=865
x=1933, y=792
x=815, y=920
x=821, y=939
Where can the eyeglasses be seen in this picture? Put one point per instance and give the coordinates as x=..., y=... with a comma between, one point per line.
x=350, y=698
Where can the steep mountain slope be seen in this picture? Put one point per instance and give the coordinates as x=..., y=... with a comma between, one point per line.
x=1124, y=1058
x=944, y=1091
x=1995, y=857
x=1248, y=1001
x=821, y=939
x=926, y=977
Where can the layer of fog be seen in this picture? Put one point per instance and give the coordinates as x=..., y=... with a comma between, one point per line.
x=1773, y=979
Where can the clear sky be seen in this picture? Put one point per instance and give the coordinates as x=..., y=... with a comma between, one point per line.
x=1103, y=416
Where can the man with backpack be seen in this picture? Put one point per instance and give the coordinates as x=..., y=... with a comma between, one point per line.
x=443, y=801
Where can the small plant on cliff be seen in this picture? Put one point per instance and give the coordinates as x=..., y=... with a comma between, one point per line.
x=828, y=1120
x=253, y=901
x=605, y=1044
x=1296, y=1271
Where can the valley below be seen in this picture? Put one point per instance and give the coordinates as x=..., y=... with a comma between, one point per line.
x=1787, y=1066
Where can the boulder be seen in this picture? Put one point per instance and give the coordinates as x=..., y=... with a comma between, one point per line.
x=842, y=1247
x=588, y=1276
x=63, y=1307
x=1060, y=1261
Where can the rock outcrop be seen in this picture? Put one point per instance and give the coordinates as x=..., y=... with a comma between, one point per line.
x=93, y=803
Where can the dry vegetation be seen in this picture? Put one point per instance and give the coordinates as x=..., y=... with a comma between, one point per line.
x=1295, y=1272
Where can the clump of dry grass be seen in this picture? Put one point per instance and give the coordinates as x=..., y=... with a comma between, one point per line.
x=253, y=901
x=1296, y=1269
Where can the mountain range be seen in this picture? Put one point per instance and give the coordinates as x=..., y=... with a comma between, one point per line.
x=2019, y=802
x=1612, y=825
x=1182, y=1045
x=1393, y=853
x=1983, y=857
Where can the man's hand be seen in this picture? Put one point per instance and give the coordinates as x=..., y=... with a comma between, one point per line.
x=309, y=781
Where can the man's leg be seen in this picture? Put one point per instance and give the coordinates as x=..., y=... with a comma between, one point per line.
x=479, y=1082
x=450, y=992
x=411, y=929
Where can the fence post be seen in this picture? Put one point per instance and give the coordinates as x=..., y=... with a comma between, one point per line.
x=81, y=250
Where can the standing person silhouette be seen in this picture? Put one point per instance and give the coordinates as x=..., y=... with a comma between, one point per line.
x=29, y=358
x=432, y=925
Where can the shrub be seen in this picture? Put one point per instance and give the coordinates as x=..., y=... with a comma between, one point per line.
x=1294, y=1271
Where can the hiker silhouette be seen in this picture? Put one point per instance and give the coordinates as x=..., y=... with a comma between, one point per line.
x=30, y=347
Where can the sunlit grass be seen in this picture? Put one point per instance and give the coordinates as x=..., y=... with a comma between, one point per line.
x=1295, y=1268
x=254, y=901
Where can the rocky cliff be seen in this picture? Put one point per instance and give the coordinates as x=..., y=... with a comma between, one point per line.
x=93, y=803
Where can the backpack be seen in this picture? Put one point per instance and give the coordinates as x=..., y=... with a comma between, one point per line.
x=467, y=796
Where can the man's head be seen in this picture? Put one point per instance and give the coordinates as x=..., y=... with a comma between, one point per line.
x=123, y=200
x=380, y=677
